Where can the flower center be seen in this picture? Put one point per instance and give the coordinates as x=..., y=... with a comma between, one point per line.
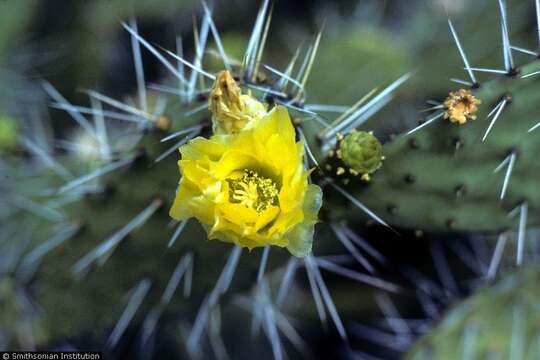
x=461, y=106
x=253, y=191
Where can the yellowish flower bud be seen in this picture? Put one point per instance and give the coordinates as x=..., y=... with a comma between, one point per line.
x=231, y=110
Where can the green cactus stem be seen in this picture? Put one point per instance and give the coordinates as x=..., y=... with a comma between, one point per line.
x=499, y=321
x=442, y=177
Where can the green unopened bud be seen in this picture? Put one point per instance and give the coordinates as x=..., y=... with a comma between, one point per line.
x=361, y=152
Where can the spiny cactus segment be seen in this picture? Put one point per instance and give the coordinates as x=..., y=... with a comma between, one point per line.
x=501, y=320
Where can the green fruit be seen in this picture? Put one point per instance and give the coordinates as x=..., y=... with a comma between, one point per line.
x=361, y=152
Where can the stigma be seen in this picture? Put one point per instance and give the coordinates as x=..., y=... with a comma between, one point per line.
x=253, y=191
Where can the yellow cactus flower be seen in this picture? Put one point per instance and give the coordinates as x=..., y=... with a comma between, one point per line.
x=461, y=106
x=251, y=188
x=232, y=110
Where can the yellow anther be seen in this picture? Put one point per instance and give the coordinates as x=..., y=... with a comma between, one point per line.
x=253, y=191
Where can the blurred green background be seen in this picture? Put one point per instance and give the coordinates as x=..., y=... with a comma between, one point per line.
x=80, y=44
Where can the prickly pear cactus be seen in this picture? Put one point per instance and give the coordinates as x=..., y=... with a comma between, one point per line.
x=76, y=269
x=114, y=187
x=500, y=320
x=447, y=176
x=107, y=223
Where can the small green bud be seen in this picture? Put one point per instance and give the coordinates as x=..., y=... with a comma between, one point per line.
x=361, y=152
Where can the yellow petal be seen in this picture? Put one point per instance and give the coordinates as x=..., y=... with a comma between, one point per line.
x=233, y=161
x=266, y=217
x=301, y=237
x=267, y=147
x=276, y=122
x=201, y=147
